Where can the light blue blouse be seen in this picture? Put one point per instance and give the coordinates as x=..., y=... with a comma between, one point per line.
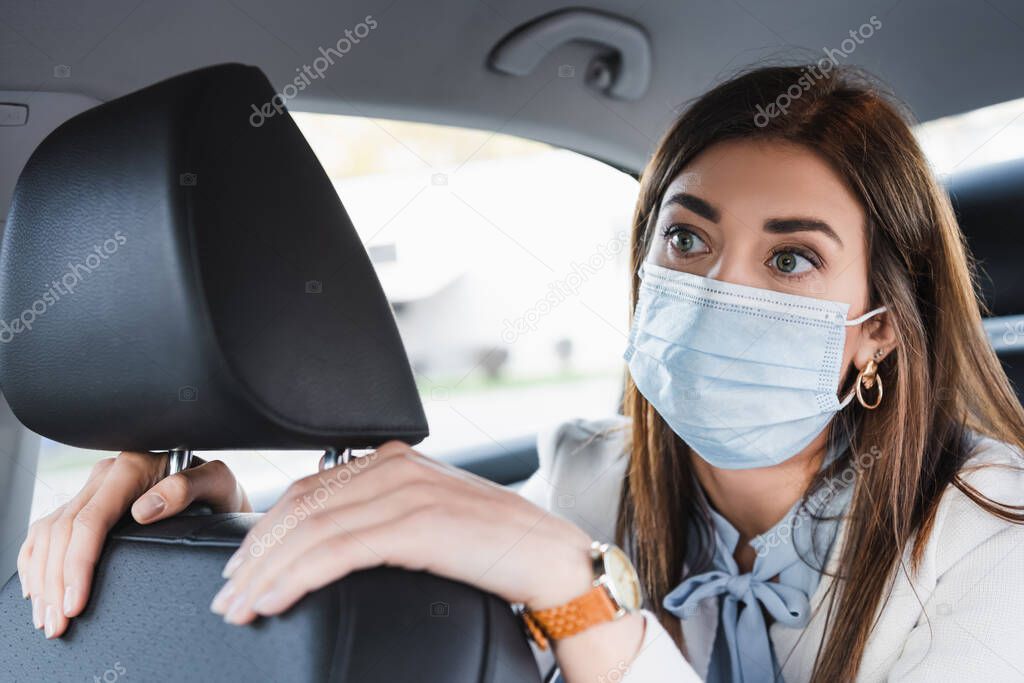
x=794, y=550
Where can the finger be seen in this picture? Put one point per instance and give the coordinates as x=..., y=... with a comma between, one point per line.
x=393, y=465
x=361, y=479
x=37, y=567
x=25, y=572
x=211, y=482
x=130, y=475
x=389, y=543
x=24, y=555
x=54, y=621
x=256, y=576
x=53, y=592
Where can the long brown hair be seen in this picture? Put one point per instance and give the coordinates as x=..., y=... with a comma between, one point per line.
x=942, y=379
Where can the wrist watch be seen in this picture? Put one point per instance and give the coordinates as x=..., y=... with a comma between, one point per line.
x=614, y=593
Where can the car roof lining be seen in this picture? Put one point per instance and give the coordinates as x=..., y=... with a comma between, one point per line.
x=926, y=51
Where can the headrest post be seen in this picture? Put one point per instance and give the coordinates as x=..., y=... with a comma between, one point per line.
x=332, y=458
x=178, y=460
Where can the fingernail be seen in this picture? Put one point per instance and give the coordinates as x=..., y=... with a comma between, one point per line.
x=69, y=600
x=267, y=603
x=37, y=611
x=237, y=610
x=149, y=506
x=232, y=564
x=24, y=586
x=220, y=601
x=51, y=621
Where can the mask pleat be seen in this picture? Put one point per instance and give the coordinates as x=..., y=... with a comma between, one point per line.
x=699, y=401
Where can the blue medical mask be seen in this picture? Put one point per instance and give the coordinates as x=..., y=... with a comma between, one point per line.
x=746, y=377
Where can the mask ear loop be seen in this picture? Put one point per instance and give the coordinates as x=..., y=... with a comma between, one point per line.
x=853, y=323
x=849, y=397
x=867, y=316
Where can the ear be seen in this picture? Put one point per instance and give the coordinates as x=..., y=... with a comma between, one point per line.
x=877, y=339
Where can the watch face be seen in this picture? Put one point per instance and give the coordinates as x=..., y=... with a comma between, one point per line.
x=622, y=578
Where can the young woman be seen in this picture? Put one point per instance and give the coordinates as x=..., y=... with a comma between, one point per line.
x=818, y=472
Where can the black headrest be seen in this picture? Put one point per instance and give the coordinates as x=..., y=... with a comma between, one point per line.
x=173, y=276
x=989, y=204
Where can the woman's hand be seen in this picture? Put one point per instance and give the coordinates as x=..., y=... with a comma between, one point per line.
x=57, y=559
x=396, y=507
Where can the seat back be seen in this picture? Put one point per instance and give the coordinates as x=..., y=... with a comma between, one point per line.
x=149, y=616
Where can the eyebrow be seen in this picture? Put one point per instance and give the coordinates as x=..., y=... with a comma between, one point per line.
x=784, y=226
x=777, y=226
x=695, y=204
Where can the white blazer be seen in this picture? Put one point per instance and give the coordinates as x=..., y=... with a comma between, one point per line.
x=959, y=618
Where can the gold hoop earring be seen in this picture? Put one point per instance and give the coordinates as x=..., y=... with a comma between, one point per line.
x=866, y=379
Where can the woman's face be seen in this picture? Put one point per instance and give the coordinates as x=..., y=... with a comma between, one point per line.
x=771, y=215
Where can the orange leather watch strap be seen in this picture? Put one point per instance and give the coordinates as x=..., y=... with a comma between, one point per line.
x=592, y=608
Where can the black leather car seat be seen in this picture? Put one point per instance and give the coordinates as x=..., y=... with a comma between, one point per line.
x=989, y=204
x=175, y=277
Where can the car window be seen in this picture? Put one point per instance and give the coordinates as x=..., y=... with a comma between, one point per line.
x=505, y=262
x=976, y=138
